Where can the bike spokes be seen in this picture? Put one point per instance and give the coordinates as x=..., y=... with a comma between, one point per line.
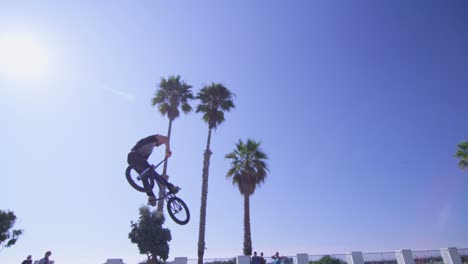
x=178, y=210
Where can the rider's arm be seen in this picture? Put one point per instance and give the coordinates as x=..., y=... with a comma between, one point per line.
x=164, y=140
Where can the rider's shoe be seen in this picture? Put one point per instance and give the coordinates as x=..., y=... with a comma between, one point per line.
x=152, y=201
x=174, y=189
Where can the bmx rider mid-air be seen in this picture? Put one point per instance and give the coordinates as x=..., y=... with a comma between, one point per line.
x=138, y=158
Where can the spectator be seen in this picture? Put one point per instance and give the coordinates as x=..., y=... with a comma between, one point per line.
x=27, y=260
x=45, y=259
x=255, y=259
x=262, y=259
x=276, y=258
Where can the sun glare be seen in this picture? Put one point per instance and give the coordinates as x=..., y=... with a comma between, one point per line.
x=22, y=57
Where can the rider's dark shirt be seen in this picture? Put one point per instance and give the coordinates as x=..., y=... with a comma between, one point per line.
x=145, y=146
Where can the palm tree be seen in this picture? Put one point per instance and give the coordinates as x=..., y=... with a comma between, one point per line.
x=170, y=95
x=462, y=154
x=215, y=100
x=248, y=170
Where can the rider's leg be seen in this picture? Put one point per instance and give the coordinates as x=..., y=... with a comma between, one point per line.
x=146, y=184
x=141, y=164
x=162, y=180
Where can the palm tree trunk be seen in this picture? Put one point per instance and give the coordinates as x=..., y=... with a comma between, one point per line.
x=204, y=196
x=161, y=191
x=247, y=235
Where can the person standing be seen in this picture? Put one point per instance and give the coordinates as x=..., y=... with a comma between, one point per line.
x=255, y=258
x=28, y=260
x=262, y=259
x=45, y=259
x=276, y=258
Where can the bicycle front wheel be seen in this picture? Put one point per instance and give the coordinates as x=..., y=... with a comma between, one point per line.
x=178, y=210
x=136, y=181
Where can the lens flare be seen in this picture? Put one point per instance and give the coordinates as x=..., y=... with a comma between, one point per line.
x=22, y=57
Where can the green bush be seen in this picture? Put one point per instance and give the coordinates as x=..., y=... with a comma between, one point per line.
x=231, y=261
x=327, y=260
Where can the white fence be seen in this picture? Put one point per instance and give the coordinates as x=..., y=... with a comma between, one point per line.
x=407, y=256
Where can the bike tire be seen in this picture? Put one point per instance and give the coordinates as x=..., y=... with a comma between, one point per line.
x=133, y=177
x=176, y=209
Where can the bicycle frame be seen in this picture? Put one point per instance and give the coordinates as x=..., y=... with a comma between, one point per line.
x=167, y=195
x=153, y=167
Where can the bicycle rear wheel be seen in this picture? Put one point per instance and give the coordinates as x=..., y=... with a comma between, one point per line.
x=135, y=180
x=178, y=210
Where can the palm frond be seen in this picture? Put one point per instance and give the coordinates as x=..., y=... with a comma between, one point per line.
x=248, y=166
x=463, y=145
x=462, y=154
x=215, y=99
x=174, y=94
x=462, y=164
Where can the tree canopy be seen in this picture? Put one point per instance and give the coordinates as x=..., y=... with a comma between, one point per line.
x=248, y=166
x=172, y=94
x=8, y=235
x=215, y=100
x=150, y=236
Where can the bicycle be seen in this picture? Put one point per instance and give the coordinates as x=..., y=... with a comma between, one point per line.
x=176, y=207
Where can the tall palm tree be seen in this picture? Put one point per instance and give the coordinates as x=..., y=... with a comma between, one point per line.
x=248, y=170
x=462, y=154
x=172, y=94
x=215, y=100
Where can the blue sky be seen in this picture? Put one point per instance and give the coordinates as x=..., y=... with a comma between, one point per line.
x=359, y=106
